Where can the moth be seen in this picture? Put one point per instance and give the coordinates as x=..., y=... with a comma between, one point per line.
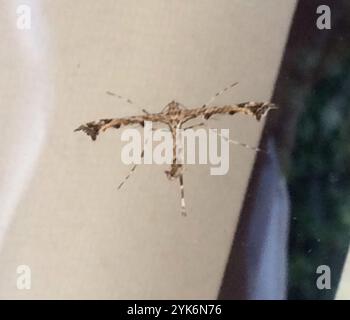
x=175, y=116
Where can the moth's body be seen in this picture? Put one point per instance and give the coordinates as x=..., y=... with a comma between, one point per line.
x=174, y=116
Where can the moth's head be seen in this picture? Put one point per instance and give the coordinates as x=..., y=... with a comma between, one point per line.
x=172, y=107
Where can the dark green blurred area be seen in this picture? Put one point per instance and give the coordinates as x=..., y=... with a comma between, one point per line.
x=318, y=171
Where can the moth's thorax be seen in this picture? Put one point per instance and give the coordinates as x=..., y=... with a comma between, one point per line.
x=174, y=113
x=173, y=108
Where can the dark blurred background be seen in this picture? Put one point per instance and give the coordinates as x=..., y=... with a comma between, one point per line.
x=312, y=132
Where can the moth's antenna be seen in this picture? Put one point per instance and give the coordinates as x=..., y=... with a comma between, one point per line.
x=127, y=100
x=219, y=93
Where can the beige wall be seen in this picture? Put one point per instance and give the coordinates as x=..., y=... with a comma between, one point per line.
x=343, y=292
x=61, y=213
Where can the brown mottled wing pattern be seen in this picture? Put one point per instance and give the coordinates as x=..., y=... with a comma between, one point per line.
x=256, y=109
x=93, y=128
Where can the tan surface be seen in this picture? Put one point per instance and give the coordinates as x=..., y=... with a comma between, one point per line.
x=80, y=236
x=343, y=292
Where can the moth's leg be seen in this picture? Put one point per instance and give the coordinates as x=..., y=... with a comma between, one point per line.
x=182, y=192
x=135, y=165
x=131, y=171
x=219, y=93
x=229, y=140
x=128, y=176
x=247, y=146
x=162, y=129
x=195, y=126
